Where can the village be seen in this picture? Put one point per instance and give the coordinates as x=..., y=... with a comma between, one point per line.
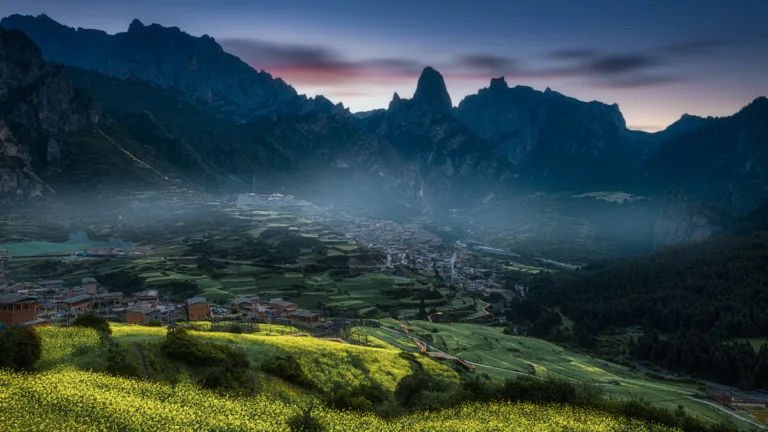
x=45, y=302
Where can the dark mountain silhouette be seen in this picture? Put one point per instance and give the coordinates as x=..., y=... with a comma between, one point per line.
x=197, y=69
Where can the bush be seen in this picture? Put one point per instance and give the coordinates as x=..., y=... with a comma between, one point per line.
x=423, y=391
x=91, y=320
x=364, y=398
x=305, y=422
x=118, y=360
x=234, y=328
x=155, y=323
x=223, y=367
x=21, y=348
x=287, y=368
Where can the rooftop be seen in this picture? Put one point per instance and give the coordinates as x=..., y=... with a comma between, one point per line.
x=281, y=302
x=304, y=313
x=88, y=280
x=194, y=300
x=143, y=309
x=50, y=282
x=15, y=298
x=241, y=300
x=75, y=299
x=147, y=293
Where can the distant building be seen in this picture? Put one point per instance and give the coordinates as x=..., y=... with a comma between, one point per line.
x=283, y=306
x=303, y=317
x=107, y=300
x=89, y=285
x=245, y=304
x=197, y=309
x=51, y=285
x=17, y=308
x=78, y=303
x=143, y=314
x=147, y=296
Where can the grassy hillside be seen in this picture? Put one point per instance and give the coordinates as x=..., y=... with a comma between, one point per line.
x=513, y=355
x=64, y=396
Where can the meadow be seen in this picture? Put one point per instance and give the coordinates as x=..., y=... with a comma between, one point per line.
x=511, y=355
x=64, y=396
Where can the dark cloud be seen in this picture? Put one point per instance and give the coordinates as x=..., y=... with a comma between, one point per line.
x=320, y=65
x=700, y=47
x=618, y=64
x=314, y=64
x=617, y=70
x=491, y=63
x=572, y=54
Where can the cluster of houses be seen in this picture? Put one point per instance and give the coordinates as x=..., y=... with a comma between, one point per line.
x=50, y=300
x=407, y=246
x=251, y=308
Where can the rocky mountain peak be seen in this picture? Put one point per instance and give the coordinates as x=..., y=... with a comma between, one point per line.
x=498, y=83
x=432, y=94
x=196, y=68
x=136, y=25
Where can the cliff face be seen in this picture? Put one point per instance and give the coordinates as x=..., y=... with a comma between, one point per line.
x=679, y=221
x=197, y=69
x=552, y=137
x=457, y=166
x=37, y=104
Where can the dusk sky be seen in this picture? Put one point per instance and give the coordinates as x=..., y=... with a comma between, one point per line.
x=657, y=59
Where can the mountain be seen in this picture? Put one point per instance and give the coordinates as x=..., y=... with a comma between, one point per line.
x=457, y=166
x=55, y=136
x=724, y=160
x=685, y=124
x=197, y=69
x=553, y=138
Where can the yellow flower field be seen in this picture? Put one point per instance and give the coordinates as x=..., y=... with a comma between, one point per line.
x=61, y=343
x=67, y=399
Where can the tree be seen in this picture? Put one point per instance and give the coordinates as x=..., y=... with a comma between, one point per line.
x=422, y=313
x=21, y=348
x=91, y=320
x=393, y=313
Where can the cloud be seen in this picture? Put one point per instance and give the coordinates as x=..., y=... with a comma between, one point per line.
x=323, y=67
x=571, y=54
x=699, y=47
x=316, y=65
x=644, y=68
x=488, y=62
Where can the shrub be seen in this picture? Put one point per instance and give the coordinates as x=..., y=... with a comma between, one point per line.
x=287, y=368
x=364, y=398
x=234, y=328
x=305, y=422
x=118, y=360
x=21, y=348
x=91, y=320
x=423, y=391
x=155, y=323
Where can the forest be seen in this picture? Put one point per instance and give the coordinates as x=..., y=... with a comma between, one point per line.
x=694, y=304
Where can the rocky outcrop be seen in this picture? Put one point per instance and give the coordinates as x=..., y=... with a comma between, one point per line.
x=455, y=164
x=197, y=69
x=681, y=222
x=550, y=136
x=37, y=103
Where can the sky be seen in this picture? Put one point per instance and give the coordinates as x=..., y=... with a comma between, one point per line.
x=657, y=59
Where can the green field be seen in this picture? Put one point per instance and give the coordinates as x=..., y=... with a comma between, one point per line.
x=512, y=354
x=67, y=394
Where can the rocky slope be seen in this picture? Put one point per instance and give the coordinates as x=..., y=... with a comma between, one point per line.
x=37, y=104
x=457, y=166
x=548, y=135
x=196, y=69
x=725, y=160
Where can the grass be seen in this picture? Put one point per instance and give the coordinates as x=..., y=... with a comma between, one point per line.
x=489, y=346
